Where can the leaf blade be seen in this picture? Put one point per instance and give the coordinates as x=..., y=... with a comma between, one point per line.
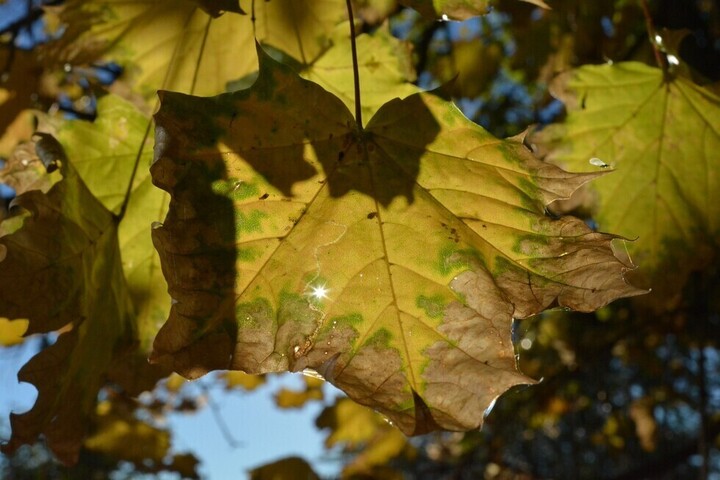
x=377, y=281
x=662, y=192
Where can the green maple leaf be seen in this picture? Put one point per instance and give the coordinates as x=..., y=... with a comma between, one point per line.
x=390, y=260
x=68, y=262
x=661, y=135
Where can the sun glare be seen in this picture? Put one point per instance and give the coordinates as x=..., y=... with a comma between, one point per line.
x=319, y=292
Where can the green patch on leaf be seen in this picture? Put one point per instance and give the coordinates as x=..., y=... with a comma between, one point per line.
x=250, y=222
x=235, y=189
x=382, y=337
x=248, y=254
x=352, y=320
x=434, y=306
x=452, y=259
x=257, y=312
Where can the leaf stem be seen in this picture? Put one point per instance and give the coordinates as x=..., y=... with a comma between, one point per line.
x=356, y=69
x=650, y=27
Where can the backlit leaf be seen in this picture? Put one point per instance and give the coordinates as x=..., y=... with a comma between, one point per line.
x=291, y=398
x=19, y=130
x=662, y=137
x=61, y=267
x=243, y=380
x=287, y=398
x=218, y=7
x=289, y=468
x=391, y=260
x=174, y=44
x=449, y=9
x=72, y=240
x=120, y=436
x=384, y=67
x=11, y=332
x=357, y=428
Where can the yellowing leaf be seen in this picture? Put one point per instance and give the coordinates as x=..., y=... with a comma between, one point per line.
x=123, y=437
x=390, y=260
x=456, y=9
x=118, y=435
x=218, y=7
x=374, y=12
x=243, y=380
x=19, y=130
x=661, y=135
x=384, y=67
x=300, y=28
x=174, y=44
x=175, y=382
x=289, y=398
x=24, y=171
x=452, y=9
x=289, y=468
x=11, y=332
x=354, y=427
x=61, y=265
x=72, y=239
x=286, y=398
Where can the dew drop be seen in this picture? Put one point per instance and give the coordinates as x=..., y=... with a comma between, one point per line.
x=156, y=225
x=598, y=163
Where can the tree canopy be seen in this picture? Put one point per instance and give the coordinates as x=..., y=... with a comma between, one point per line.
x=358, y=195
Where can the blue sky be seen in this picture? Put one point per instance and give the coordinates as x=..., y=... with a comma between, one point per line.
x=264, y=432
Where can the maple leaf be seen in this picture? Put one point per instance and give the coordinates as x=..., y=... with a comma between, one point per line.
x=61, y=267
x=661, y=135
x=390, y=259
x=384, y=67
x=177, y=45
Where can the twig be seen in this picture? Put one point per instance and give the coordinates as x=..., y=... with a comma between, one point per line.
x=219, y=420
x=650, y=27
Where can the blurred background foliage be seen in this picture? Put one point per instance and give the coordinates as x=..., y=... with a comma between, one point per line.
x=627, y=392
